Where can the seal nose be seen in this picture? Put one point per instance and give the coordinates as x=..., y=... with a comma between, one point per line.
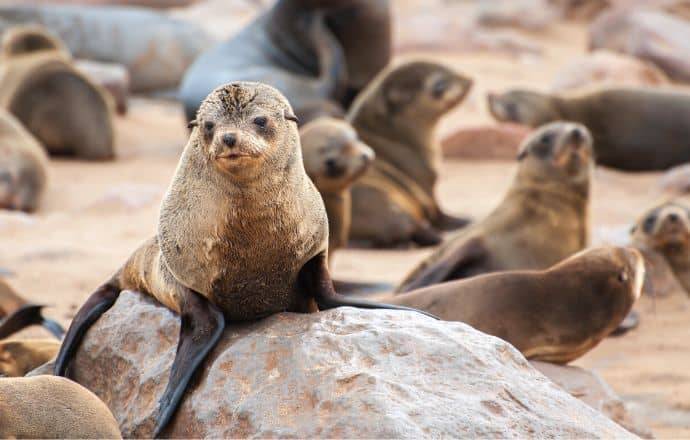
x=673, y=217
x=576, y=136
x=229, y=139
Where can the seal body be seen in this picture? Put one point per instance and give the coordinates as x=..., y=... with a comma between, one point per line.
x=66, y=112
x=19, y=356
x=554, y=315
x=395, y=203
x=543, y=219
x=633, y=129
x=662, y=234
x=52, y=407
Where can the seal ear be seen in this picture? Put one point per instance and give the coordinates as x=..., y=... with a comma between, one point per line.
x=289, y=116
x=193, y=123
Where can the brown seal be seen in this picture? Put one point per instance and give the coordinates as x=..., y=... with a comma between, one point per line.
x=554, y=315
x=633, y=129
x=16, y=313
x=395, y=203
x=662, y=235
x=543, y=219
x=64, y=110
x=52, y=407
x=23, y=166
x=19, y=356
x=242, y=234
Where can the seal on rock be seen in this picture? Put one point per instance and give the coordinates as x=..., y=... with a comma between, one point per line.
x=394, y=202
x=554, y=315
x=662, y=234
x=19, y=356
x=633, y=129
x=52, y=407
x=242, y=234
x=23, y=166
x=16, y=313
x=56, y=103
x=543, y=218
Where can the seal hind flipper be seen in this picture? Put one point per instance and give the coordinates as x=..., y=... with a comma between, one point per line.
x=470, y=253
x=24, y=316
x=316, y=280
x=202, y=325
x=426, y=235
x=97, y=304
x=448, y=222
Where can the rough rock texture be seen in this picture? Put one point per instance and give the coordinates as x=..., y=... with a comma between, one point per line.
x=341, y=373
x=489, y=141
x=649, y=34
x=594, y=391
x=603, y=67
x=112, y=77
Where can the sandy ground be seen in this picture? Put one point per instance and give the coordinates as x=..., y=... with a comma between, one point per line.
x=95, y=214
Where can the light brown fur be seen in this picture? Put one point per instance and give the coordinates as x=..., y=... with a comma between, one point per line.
x=554, y=315
x=662, y=234
x=19, y=356
x=23, y=166
x=52, y=407
x=397, y=115
x=334, y=158
x=64, y=110
x=543, y=218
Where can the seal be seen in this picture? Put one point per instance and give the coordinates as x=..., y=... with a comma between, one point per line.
x=543, y=218
x=23, y=166
x=394, y=203
x=16, y=313
x=633, y=129
x=662, y=235
x=242, y=234
x=52, y=407
x=554, y=315
x=289, y=47
x=19, y=356
x=56, y=103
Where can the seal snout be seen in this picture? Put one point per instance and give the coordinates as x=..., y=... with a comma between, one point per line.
x=230, y=139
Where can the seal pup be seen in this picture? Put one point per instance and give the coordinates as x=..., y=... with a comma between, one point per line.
x=543, y=218
x=23, y=166
x=633, y=129
x=334, y=158
x=19, y=356
x=16, y=313
x=394, y=203
x=52, y=407
x=662, y=234
x=554, y=315
x=57, y=104
x=242, y=234
x=290, y=47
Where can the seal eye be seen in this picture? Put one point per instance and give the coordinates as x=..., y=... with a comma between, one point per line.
x=648, y=224
x=260, y=121
x=547, y=139
x=439, y=88
x=623, y=277
x=209, y=126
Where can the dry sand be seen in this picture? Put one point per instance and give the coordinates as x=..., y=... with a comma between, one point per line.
x=96, y=214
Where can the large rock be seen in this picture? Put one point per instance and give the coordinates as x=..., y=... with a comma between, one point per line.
x=340, y=373
x=155, y=48
x=590, y=388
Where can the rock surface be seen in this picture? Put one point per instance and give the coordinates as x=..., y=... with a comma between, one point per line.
x=590, y=388
x=488, y=141
x=341, y=373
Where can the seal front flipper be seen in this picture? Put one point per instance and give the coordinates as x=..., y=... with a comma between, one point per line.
x=316, y=280
x=356, y=287
x=202, y=324
x=26, y=315
x=447, y=267
x=426, y=235
x=448, y=222
x=97, y=304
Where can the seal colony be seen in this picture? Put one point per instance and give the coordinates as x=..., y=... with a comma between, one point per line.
x=240, y=183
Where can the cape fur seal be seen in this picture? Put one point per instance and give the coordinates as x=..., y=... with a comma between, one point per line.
x=57, y=104
x=242, y=234
x=23, y=166
x=16, y=313
x=662, y=234
x=394, y=202
x=19, y=356
x=554, y=315
x=543, y=219
x=633, y=129
x=289, y=47
x=52, y=407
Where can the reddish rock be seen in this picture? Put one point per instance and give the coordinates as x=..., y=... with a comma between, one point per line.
x=491, y=141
